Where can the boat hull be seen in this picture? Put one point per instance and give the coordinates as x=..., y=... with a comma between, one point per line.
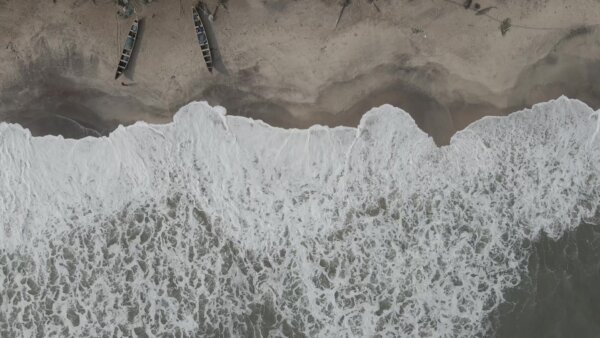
x=127, y=49
x=202, y=39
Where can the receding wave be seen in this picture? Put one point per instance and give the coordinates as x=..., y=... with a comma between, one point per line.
x=224, y=226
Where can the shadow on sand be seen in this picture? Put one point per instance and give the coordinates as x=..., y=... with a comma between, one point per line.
x=129, y=73
x=212, y=40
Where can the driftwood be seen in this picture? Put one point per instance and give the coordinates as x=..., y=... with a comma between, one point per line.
x=345, y=4
x=484, y=11
x=372, y=2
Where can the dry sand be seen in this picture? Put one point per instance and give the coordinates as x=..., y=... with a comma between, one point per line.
x=283, y=62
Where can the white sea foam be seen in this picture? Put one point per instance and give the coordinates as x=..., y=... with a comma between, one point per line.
x=221, y=225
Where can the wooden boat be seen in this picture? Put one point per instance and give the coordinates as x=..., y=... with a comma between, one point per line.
x=202, y=39
x=127, y=49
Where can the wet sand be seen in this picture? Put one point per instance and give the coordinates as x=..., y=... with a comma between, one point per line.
x=285, y=63
x=62, y=106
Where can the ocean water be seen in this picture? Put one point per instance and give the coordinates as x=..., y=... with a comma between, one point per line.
x=216, y=225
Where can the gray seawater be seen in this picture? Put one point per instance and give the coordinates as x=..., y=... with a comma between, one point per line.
x=222, y=226
x=558, y=297
x=560, y=294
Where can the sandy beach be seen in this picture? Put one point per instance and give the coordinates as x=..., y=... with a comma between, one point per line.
x=199, y=230
x=286, y=63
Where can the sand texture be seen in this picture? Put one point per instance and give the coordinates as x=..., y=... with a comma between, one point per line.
x=285, y=62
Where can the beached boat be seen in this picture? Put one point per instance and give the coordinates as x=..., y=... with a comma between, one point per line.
x=127, y=49
x=202, y=39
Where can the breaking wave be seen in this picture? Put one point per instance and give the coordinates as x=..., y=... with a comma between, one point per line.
x=224, y=226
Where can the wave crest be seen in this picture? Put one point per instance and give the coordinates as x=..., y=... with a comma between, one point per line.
x=220, y=225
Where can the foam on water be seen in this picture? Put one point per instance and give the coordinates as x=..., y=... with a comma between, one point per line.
x=221, y=225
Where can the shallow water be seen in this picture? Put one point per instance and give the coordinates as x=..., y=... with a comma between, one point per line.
x=217, y=225
x=559, y=296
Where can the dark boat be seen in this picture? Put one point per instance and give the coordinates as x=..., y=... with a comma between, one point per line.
x=203, y=39
x=127, y=49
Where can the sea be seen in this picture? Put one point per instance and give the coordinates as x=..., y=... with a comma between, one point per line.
x=223, y=226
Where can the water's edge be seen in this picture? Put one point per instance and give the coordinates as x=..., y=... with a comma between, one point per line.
x=223, y=225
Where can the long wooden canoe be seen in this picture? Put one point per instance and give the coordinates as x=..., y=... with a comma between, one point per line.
x=127, y=49
x=202, y=39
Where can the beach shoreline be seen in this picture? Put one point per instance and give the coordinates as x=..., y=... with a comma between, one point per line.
x=443, y=64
